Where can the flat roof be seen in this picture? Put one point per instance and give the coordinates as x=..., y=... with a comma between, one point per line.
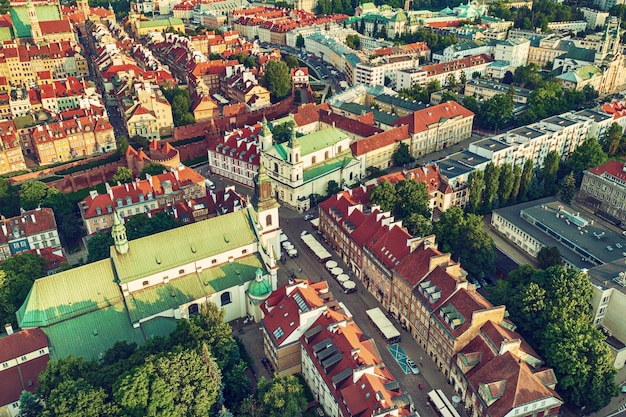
x=576, y=244
x=468, y=158
x=561, y=121
x=527, y=132
x=452, y=169
x=492, y=144
x=594, y=115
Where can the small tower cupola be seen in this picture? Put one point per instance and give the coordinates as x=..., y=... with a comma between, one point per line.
x=294, y=144
x=265, y=136
x=118, y=232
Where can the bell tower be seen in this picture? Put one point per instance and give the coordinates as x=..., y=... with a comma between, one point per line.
x=118, y=231
x=266, y=137
x=83, y=6
x=266, y=208
x=35, y=29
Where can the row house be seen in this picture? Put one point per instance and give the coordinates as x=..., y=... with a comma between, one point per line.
x=31, y=230
x=70, y=93
x=11, y=155
x=498, y=368
x=140, y=196
x=20, y=64
x=437, y=127
x=288, y=314
x=243, y=87
x=345, y=372
x=23, y=356
x=115, y=76
x=236, y=155
x=64, y=140
x=146, y=111
x=475, y=64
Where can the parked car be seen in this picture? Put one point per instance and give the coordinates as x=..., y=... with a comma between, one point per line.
x=412, y=366
x=308, y=217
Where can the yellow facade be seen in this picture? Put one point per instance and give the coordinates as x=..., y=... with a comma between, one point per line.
x=11, y=160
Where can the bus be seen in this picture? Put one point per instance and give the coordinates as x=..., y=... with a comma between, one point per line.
x=384, y=326
x=441, y=404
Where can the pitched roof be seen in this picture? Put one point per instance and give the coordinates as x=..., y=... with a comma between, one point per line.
x=459, y=309
x=613, y=168
x=195, y=241
x=416, y=264
x=420, y=120
x=380, y=140
x=29, y=223
x=510, y=383
x=22, y=377
x=348, y=124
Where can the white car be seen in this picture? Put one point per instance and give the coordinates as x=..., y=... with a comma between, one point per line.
x=412, y=366
x=308, y=217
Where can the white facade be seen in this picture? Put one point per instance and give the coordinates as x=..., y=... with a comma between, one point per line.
x=594, y=18
x=406, y=78
x=515, y=51
x=375, y=73
x=576, y=26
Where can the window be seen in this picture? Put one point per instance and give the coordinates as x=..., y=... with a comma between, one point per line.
x=326, y=155
x=225, y=298
x=243, y=252
x=145, y=283
x=181, y=271
x=268, y=220
x=313, y=159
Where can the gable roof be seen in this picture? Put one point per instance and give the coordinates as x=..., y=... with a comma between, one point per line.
x=380, y=140
x=420, y=120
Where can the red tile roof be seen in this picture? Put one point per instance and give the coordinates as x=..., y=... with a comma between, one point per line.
x=428, y=174
x=613, y=168
x=416, y=265
x=616, y=108
x=55, y=26
x=29, y=223
x=420, y=120
x=380, y=140
x=466, y=302
x=347, y=124
x=23, y=376
x=512, y=382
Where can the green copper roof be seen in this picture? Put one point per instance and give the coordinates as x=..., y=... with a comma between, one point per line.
x=6, y=34
x=368, y=6
x=320, y=140
x=172, y=21
x=172, y=248
x=399, y=17
x=21, y=23
x=69, y=294
x=231, y=274
x=259, y=288
x=343, y=160
x=91, y=335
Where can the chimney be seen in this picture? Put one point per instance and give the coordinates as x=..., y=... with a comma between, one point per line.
x=33, y=218
x=9, y=328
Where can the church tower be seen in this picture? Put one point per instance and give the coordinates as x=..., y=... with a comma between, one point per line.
x=118, y=231
x=266, y=208
x=294, y=146
x=83, y=6
x=35, y=29
x=265, y=136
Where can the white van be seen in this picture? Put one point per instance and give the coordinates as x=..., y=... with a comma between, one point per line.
x=209, y=184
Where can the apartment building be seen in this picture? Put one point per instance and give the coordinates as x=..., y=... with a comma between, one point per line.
x=142, y=196
x=604, y=189
x=437, y=127
x=377, y=150
x=375, y=71
x=31, y=230
x=513, y=51
x=486, y=89
x=67, y=139
x=236, y=155
x=288, y=313
x=440, y=72
x=11, y=155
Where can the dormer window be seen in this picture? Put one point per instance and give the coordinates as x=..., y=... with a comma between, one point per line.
x=128, y=201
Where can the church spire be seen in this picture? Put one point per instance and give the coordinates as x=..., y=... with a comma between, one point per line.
x=33, y=20
x=266, y=139
x=293, y=141
x=118, y=231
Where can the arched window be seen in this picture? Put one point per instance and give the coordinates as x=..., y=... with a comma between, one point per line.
x=313, y=160
x=339, y=149
x=268, y=220
x=181, y=271
x=275, y=167
x=326, y=155
x=225, y=298
x=145, y=283
x=351, y=176
x=297, y=158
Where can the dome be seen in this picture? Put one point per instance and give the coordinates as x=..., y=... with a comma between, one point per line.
x=260, y=288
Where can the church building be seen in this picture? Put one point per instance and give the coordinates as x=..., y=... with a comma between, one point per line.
x=38, y=22
x=147, y=284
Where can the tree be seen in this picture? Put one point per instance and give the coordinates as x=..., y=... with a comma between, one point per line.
x=613, y=140
x=449, y=96
x=553, y=311
x=505, y=187
x=462, y=79
x=77, y=398
x=402, y=155
x=525, y=180
x=57, y=371
x=152, y=169
x=291, y=61
x=181, y=105
x=98, y=246
x=492, y=181
x=384, y=195
x=281, y=132
x=181, y=383
x=470, y=103
x=300, y=42
x=418, y=225
x=463, y=236
x=588, y=154
x=332, y=188
x=411, y=198
x=122, y=175
x=476, y=184
x=9, y=199
x=278, y=79
x=496, y=112
x=122, y=145
x=17, y=275
x=517, y=181
x=30, y=405
x=549, y=256
x=451, y=82
x=568, y=188
x=33, y=193
x=353, y=41
x=549, y=170
x=251, y=407
x=282, y=397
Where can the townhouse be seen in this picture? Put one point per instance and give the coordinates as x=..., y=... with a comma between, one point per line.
x=377, y=150
x=236, y=155
x=31, y=230
x=11, y=155
x=141, y=196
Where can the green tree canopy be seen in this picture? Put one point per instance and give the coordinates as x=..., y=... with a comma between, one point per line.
x=77, y=398
x=463, y=236
x=122, y=175
x=553, y=311
x=17, y=275
x=412, y=198
x=33, y=194
x=384, y=195
x=152, y=169
x=496, y=112
x=418, y=225
x=332, y=188
x=278, y=79
x=587, y=155
x=549, y=256
x=568, y=189
x=282, y=397
x=9, y=199
x=402, y=155
x=300, y=41
x=30, y=405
